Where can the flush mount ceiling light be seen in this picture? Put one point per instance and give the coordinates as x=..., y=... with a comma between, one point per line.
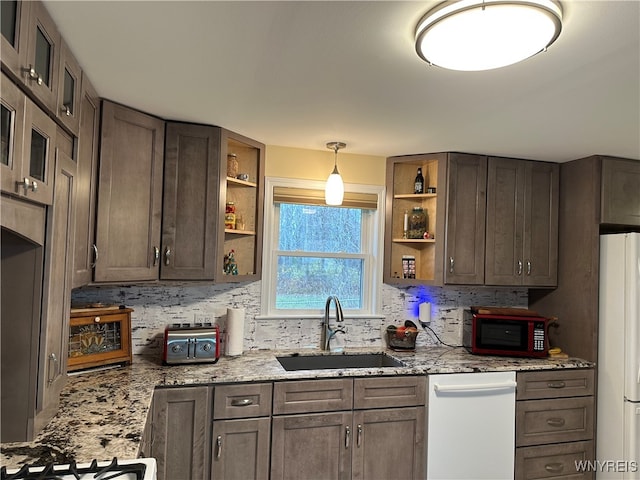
x=473, y=35
x=334, y=189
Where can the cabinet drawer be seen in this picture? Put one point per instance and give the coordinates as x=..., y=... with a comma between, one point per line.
x=388, y=392
x=553, y=461
x=312, y=396
x=242, y=401
x=554, y=384
x=549, y=421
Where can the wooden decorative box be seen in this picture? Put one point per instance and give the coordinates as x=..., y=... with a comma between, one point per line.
x=99, y=336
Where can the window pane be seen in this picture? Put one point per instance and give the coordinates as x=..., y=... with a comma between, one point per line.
x=320, y=229
x=306, y=282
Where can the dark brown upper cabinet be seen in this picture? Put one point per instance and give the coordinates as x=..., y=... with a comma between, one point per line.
x=129, y=195
x=620, y=192
x=522, y=223
x=86, y=183
x=190, y=207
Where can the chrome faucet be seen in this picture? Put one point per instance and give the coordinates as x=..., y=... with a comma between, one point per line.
x=328, y=332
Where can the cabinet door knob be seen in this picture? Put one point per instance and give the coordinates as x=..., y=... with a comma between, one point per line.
x=450, y=264
x=167, y=255
x=347, y=436
x=519, y=267
x=97, y=319
x=66, y=110
x=27, y=185
x=528, y=267
x=359, y=435
x=156, y=255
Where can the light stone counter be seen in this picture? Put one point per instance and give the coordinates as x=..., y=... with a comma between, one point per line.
x=102, y=414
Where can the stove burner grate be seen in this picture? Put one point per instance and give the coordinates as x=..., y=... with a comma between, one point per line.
x=54, y=472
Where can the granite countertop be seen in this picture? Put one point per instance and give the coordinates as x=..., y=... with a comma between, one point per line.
x=103, y=413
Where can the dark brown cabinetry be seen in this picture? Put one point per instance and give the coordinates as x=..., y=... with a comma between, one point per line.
x=31, y=49
x=88, y=138
x=181, y=432
x=401, y=200
x=554, y=423
x=129, y=195
x=190, y=208
x=241, y=423
x=620, y=192
x=57, y=293
x=247, y=195
x=28, y=146
x=69, y=90
x=349, y=425
x=586, y=209
x=498, y=225
x=522, y=223
x=465, y=227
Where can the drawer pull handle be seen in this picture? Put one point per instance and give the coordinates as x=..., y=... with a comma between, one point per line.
x=555, y=422
x=241, y=402
x=559, y=384
x=556, y=467
x=219, y=446
x=347, y=436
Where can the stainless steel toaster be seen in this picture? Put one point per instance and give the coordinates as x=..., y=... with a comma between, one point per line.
x=186, y=343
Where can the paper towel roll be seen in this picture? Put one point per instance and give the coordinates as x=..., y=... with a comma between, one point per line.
x=235, y=331
x=425, y=312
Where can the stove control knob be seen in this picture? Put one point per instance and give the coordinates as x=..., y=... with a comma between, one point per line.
x=176, y=348
x=206, y=347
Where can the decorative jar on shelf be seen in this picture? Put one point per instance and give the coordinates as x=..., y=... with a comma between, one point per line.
x=232, y=165
x=417, y=223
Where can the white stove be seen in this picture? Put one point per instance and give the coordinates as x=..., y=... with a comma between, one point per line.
x=138, y=469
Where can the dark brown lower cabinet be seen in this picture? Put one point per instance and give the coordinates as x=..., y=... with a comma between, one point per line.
x=355, y=443
x=181, y=423
x=315, y=445
x=241, y=449
x=555, y=424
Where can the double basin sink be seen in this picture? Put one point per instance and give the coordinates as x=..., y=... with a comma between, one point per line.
x=340, y=361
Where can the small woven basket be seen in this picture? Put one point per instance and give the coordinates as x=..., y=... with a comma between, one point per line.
x=401, y=341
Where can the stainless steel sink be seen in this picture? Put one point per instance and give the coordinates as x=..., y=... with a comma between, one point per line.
x=321, y=362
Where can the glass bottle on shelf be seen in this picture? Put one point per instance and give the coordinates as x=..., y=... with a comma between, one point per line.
x=419, y=182
x=417, y=223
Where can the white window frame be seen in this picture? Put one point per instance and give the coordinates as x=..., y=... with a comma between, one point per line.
x=372, y=247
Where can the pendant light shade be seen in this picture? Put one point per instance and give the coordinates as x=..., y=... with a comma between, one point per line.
x=334, y=189
x=474, y=35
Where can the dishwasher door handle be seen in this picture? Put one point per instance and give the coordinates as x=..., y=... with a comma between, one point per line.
x=473, y=387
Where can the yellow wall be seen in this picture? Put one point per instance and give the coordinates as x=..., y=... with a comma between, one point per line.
x=290, y=162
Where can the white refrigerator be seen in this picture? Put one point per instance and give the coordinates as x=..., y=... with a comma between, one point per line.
x=618, y=413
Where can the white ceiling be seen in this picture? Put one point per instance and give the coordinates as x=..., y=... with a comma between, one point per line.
x=302, y=73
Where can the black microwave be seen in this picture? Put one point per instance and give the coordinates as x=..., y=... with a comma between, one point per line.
x=517, y=336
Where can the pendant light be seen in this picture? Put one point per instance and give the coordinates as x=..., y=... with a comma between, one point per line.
x=473, y=35
x=334, y=190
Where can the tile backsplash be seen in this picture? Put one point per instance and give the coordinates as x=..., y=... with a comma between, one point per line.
x=156, y=306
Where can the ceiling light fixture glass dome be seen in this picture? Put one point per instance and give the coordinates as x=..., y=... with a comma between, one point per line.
x=472, y=35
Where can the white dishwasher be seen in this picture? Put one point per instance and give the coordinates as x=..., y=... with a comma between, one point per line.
x=471, y=426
